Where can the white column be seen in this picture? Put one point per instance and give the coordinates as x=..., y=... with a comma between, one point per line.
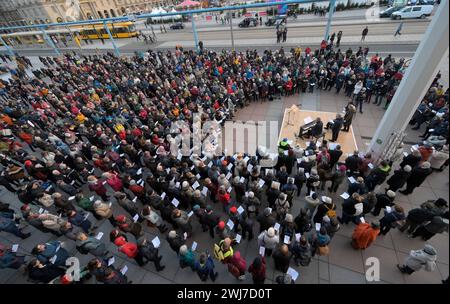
x=416, y=81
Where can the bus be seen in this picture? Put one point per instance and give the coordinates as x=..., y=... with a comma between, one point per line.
x=118, y=30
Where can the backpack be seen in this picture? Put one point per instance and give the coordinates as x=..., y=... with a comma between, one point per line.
x=218, y=253
x=330, y=213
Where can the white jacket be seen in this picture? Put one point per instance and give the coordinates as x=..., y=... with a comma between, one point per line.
x=268, y=242
x=419, y=259
x=437, y=159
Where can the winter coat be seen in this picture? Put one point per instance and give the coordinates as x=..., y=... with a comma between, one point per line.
x=419, y=259
x=399, y=178
x=418, y=176
x=91, y=245
x=115, y=183
x=51, y=249
x=103, y=210
x=258, y=274
x=268, y=242
x=437, y=159
x=188, y=259
x=51, y=221
x=364, y=235
x=437, y=225
x=98, y=187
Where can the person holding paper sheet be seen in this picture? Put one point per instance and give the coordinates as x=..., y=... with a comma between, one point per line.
x=39, y=272
x=282, y=258
x=337, y=178
x=10, y=259
x=106, y=274
x=417, y=177
x=351, y=208
x=8, y=224
x=282, y=206
x=104, y=211
x=311, y=203
x=78, y=218
x=45, y=252
x=352, y=163
x=89, y=244
x=289, y=189
x=378, y=175
x=269, y=239
x=97, y=186
x=327, y=208
x=187, y=257
x=237, y=266
x=412, y=159
x=288, y=227
x=319, y=242
x=181, y=218
x=301, y=251
x=332, y=226
x=128, y=225
x=149, y=253
x=358, y=187
x=70, y=231
x=393, y=219
x=313, y=181
x=153, y=219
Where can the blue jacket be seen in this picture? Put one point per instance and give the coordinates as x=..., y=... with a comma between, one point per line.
x=205, y=269
x=50, y=250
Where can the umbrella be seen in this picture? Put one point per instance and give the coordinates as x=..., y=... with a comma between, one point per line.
x=188, y=3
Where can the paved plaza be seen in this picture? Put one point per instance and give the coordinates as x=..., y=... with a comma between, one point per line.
x=343, y=265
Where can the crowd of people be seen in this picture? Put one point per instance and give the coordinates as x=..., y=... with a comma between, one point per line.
x=87, y=140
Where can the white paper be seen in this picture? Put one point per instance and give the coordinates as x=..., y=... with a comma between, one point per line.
x=388, y=209
x=194, y=246
x=405, y=154
x=99, y=236
x=185, y=235
x=242, y=179
x=104, y=183
x=210, y=164
x=230, y=224
x=323, y=198
x=139, y=181
x=91, y=198
x=195, y=185
x=270, y=209
x=229, y=189
x=179, y=156
x=163, y=195
x=190, y=213
x=30, y=123
x=307, y=120
x=41, y=210
x=318, y=225
x=345, y=195
x=205, y=191
x=156, y=242
x=135, y=218
x=306, y=153
x=177, y=185
x=370, y=165
x=261, y=183
x=229, y=166
x=141, y=184
x=139, y=172
x=14, y=247
x=298, y=236
x=229, y=175
x=86, y=216
x=352, y=179
x=198, y=176
x=246, y=194
x=111, y=261
x=293, y=273
x=276, y=226
x=175, y=202
x=238, y=238
x=286, y=153
x=124, y=270
x=287, y=239
x=332, y=146
x=249, y=167
x=110, y=204
x=240, y=210
x=246, y=159
x=53, y=259
x=307, y=175
x=318, y=144
x=415, y=147
x=362, y=220
x=262, y=250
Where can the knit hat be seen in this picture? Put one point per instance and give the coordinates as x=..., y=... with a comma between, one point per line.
x=407, y=168
x=390, y=193
x=185, y=185
x=208, y=208
x=183, y=249
x=267, y=211
x=251, y=194
x=429, y=249
x=221, y=225
x=233, y=210
x=271, y=232
x=196, y=207
x=289, y=218
x=172, y=234
x=275, y=185
x=360, y=179
x=327, y=200
x=66, y=279
x=342, y=168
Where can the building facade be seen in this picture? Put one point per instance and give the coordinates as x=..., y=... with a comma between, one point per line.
x=26, y=12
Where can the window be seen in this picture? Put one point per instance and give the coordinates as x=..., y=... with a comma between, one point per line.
x=407, y=10
x=416, y=9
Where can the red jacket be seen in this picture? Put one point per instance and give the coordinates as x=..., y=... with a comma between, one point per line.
x=137, y=190
x=98, y=188
x=130, y=249
x=258, y=274
x=225, y=199
x=115, y=182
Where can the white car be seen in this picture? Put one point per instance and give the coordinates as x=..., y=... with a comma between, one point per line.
x=415, y=11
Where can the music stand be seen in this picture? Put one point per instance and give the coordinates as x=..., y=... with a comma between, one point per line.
x=289, y=123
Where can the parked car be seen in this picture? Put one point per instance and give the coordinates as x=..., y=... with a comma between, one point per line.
x=276, y=20
x=415, y=11
x=388, y=12
x=177, y=26
x=247, y=22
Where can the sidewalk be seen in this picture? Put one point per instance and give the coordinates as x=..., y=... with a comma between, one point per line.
x=298, y=41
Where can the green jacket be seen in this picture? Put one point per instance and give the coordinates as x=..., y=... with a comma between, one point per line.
x=86, y=203
x=187, y=259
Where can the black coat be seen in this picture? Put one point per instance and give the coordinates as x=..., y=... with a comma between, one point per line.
x=46, y=274
x=281, y=261
x=335, y=155
x=410, y=160
x=398, y=179
x=418, y=176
